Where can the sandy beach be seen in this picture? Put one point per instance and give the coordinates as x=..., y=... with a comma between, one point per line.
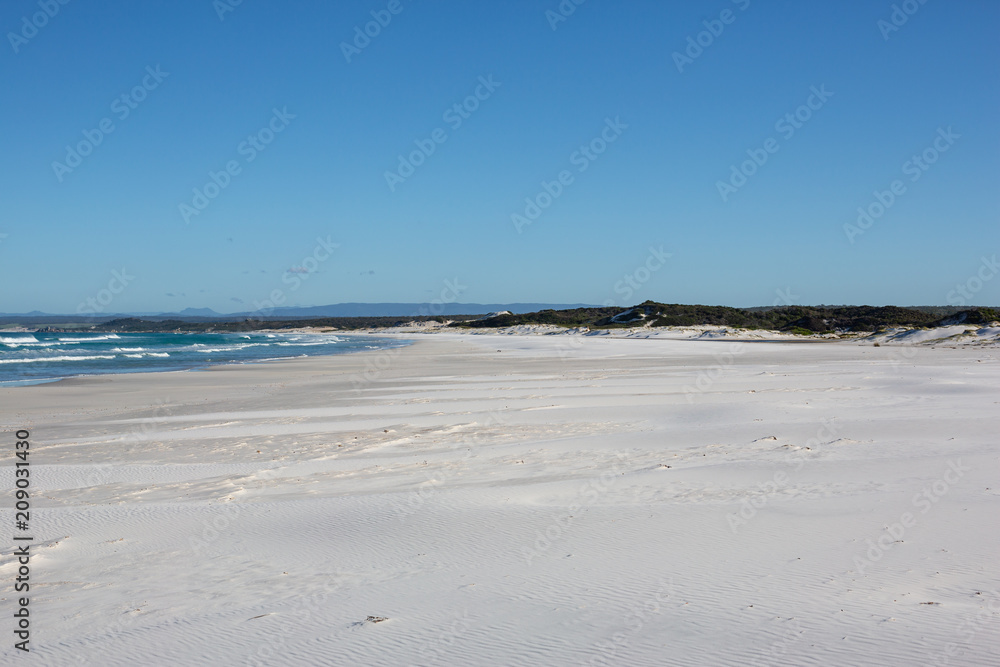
x=520, y=500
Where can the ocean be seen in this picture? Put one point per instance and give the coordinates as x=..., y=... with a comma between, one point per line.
x=30, y=358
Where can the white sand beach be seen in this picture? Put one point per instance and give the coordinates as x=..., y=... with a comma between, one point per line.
x=519, y=500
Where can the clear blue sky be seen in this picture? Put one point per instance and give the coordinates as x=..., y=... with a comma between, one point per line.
x=656, y=185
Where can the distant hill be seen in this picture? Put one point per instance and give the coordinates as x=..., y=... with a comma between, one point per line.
x=199, y=312
x=290, y=312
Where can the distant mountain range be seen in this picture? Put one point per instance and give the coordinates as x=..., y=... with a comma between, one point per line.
x=302, y=312
x=406, y=309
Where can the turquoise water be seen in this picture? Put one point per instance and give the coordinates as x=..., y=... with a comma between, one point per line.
x=27, y=358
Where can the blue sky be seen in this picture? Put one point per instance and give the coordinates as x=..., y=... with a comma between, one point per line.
x=888, y=94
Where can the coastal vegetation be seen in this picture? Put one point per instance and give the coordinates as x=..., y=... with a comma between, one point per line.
x=792, y=319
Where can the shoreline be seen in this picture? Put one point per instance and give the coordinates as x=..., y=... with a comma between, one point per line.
x=194, y=368
x=410, y=334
